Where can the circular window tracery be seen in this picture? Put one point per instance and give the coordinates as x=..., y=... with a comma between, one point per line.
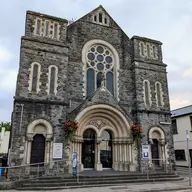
x=100, y=58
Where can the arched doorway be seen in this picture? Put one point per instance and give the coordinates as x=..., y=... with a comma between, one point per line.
x=158, y=146
x=88, y=149
x=105, y=148
x=38, y=150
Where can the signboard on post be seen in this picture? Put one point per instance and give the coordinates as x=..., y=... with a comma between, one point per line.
x=145, y=151
x=57, y=150
x=75, y=164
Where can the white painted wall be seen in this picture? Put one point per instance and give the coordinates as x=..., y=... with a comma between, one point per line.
x=183, y=124
x=4, y=140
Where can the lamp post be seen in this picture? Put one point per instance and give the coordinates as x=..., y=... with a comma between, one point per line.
x=189, y=159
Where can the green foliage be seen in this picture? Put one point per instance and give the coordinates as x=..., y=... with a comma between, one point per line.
x=7, y=126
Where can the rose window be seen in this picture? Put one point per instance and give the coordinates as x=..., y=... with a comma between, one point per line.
x=100, y=64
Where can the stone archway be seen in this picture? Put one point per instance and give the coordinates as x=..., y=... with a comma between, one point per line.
x=104, y=117
x=39, y=127
x=158, y=152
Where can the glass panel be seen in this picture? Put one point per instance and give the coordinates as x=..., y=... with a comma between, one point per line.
x=91, y=56
x=146, y=86
x=100, y=58
x=93, y=49
x=100, y=49
x=99, y=79
x=55, y=30
x=100, y=17
x=95, y=18
x=52, y=80
x=47, y=28
x=89, y=134
x=88, y=148
x=34, y=79
x=90, y=81
x=109, y=59
x=105, y=20
x=100, y=66
x=110, y=84
x=38, y=27
x=106, y=149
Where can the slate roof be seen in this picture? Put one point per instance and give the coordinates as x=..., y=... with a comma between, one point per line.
x=181, y=111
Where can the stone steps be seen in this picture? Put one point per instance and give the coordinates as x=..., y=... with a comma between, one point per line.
x=49, y=183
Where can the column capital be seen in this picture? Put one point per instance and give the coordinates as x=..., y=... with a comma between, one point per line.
x=29, y=137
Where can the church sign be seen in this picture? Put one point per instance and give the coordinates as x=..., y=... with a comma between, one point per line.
x=57, y=150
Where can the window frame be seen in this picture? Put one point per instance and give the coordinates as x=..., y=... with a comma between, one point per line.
x=149, y=93
x=176, y=129
x=161, y=102
x=183, y=155
x=30, y=82
x=49, y=80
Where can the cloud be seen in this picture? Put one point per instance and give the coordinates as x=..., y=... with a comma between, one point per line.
x=188, y=73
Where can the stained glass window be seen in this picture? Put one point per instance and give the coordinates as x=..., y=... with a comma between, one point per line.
x=100, y=64
x=90, y=81
x=110, y=85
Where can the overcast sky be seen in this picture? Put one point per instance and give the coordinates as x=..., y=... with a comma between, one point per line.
x=169, y=21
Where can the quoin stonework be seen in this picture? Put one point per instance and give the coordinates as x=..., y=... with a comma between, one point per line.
x=91, y=72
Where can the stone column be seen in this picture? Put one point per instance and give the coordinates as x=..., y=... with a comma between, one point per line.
x=98, y=165
x=29, y=144
x=121, y=156
x=125, y=157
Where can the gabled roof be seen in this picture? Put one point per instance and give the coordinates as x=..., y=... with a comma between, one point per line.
x=88, y=15
x=182, y=111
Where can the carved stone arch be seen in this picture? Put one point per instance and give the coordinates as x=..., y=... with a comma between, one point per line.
x=89, y=127
x=31, y=128
x=156, y=130
x=114, y=133
x=115, y=118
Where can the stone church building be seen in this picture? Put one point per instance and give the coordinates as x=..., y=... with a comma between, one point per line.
x=89, y=71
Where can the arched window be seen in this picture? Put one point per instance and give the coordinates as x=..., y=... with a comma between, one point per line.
x=53, y=76
x=34, y=83
x=100, y=68
x=147, y=94
x=90, y=81
x=159, y=97
x=35, y=77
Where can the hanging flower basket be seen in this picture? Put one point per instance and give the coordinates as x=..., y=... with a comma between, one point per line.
x=70, y=127
x=136, y=132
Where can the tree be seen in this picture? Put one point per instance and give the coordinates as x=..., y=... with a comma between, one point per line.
x=7, y=126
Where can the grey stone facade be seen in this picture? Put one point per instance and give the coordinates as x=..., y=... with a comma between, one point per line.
x=66, y=53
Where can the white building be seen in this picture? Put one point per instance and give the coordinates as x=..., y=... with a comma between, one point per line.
x=181, y=122
x=4, y=141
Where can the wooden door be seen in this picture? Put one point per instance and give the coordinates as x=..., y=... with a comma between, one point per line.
x=38, y=150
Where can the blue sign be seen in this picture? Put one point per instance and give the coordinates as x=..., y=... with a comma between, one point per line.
x=75, y=164
x=145, y=155
x=1, y=171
